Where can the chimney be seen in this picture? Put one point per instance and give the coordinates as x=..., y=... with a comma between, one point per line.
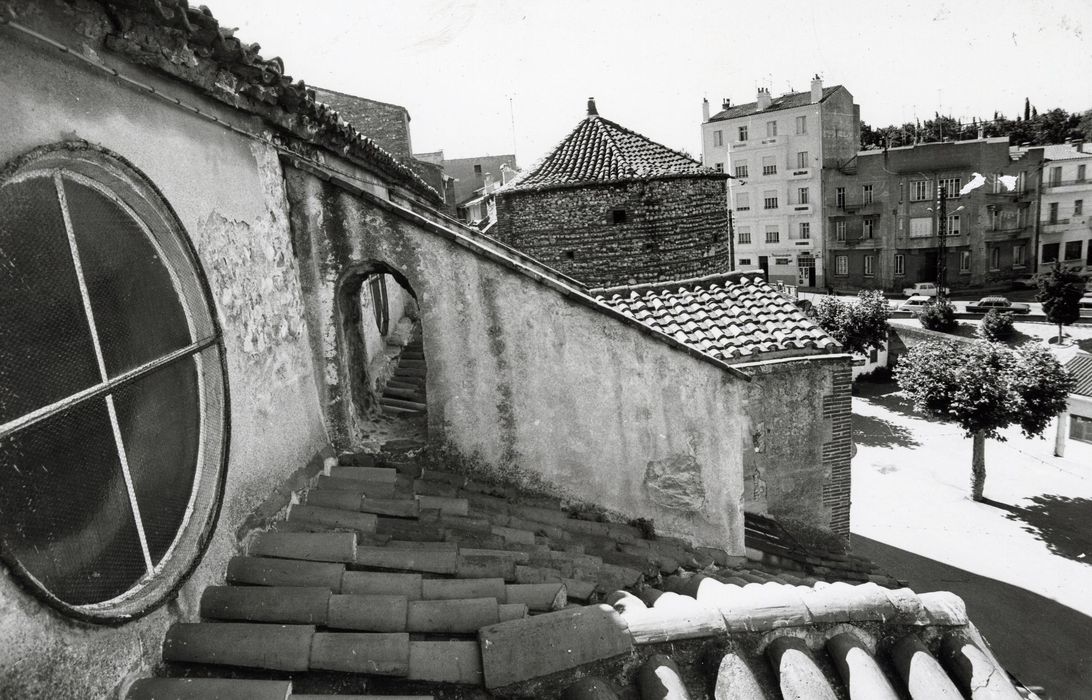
x=816, y=89
x=592, y=111
x=763, y=99
x=981, y=131
x=725, y=103
x=704, y=110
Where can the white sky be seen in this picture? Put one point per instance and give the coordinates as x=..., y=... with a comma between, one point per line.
x=456, y=63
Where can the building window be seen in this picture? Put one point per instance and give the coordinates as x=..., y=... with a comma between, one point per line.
x=869, y=263
x=769, y=165
x=744, y=235
x=1019, y=255
x=1080, y=428
x=744, y=262
x=1056, y=175
x=840, y=197
x=965, y=261
x=921, y=227
x=802, y=195
x=477, y=168
x=802, y=125
x=868, y=227
x=1053, y=213
x=953, y=225
x=770, y=200
x=782, y=262
x=841, y=265
x=840, y=231
x=1078, y=207
x=1073, y=250
x=771, y=129
x=1080, y=173
x=802, y=160
x=866, y=194
x=741, y=169
x=951, y=186
x=1050, y=252
x=113, y=415
x=570, y=255
x=805, y=231
x=1021, y=217
x=743, y=201
x=773, y=235
x=995, y=258
x=743, y=133
x=718, y=138
x=919, y=190
x=719, y=167
x=618, y=216
x=900, y=264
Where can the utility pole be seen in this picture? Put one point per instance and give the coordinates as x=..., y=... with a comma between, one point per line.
x=942, y=244
x=731, y=243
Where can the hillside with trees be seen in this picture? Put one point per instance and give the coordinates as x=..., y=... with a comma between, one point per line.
x=1033, y=127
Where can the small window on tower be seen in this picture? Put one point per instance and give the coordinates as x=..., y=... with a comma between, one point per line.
x=477, y=168
x=618, y=216
x=569, y=255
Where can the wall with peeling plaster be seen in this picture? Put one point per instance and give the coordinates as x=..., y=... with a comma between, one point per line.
x=522, y=378
x=228, y=193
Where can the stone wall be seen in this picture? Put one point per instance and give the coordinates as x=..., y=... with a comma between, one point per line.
x=797, y=440
x=525, y=379
x=674, y=229
x=384, y=123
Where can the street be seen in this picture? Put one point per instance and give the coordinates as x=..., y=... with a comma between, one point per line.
x=1022, y=560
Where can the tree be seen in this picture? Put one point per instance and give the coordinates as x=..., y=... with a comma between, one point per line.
x=1061, y=292
x=940, y=316
x=996, y=326
x=984, y=388
x=859, y=325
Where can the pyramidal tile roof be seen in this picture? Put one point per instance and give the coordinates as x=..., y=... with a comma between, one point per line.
x=734, y=317
x=600, y=151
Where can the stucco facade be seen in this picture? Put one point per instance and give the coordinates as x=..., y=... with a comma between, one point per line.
x=1065, y=227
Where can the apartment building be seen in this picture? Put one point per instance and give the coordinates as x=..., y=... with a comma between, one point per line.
x=882, y=215
x=777, y=150
x=1065, y=230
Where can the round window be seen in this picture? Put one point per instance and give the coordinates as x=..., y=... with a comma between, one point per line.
x=112, y=392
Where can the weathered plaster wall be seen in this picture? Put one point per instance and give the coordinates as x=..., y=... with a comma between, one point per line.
x=522, y=377
x=228, y=193
x=796, y=426
x=675, y=229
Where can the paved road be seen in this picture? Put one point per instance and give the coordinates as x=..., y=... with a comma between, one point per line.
x=1043, y=643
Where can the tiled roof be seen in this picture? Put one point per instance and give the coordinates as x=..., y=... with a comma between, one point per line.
x=734, y=317
x=1064, y=151
x=1080, y=366
x=397, y=579
x=600, y=151
x=787, y=101
x=189, y=44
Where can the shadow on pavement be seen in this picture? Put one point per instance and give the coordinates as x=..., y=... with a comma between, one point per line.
x=1062, y=523
x=1040, y=641
x=877, y=432
x=889, y=396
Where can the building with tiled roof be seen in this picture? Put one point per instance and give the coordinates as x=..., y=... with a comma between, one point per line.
x=610, y=206
x=780, y=150
x=1075, y=423
x=1065, y=233
x=736, y=317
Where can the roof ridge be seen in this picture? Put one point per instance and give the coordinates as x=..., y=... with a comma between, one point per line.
x=649, y=140
x=619, y=155
x=735, y=275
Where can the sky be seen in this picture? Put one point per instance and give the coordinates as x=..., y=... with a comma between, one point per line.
x=490, y=77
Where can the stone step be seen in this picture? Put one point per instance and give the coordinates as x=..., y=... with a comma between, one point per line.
x=398, y=410
x=413, y=383
x=205, y=688
x=326, y=546
x=389, y=402
x=286, y=605
x=260, y=571
x=273, y=647
x=408, y=361
x=400, y=372
x=407, y=394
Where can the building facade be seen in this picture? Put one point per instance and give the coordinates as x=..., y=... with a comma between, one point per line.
x=883, y=224
x=472, y=174
x=1065, y=229
x=778, y=151
x=609, y=206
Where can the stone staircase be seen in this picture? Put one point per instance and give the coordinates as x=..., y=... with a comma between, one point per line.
x=383, y=579
x=404, y=393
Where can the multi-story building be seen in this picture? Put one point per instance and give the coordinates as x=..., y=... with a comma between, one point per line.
x=609, y=206
x=1065, y=229
x=777, y=149
x=882, y=217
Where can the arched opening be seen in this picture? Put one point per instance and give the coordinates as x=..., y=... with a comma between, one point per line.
x=383, y=354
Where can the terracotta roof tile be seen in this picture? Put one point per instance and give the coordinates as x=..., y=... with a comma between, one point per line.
x=1080, y=366
x=734, y=317
x=787, y=101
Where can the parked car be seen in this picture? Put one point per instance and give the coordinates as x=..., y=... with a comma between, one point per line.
x=924, y=289
x=1000, y=303
x=1027, y=281
x=915, y=304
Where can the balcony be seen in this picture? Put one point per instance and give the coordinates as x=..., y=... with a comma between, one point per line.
x=852, y=205
x=801, y=208
x=1053, y=184
x=799, y=173
x=1054, y=225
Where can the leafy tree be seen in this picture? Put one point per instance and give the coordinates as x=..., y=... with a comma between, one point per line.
x=996, y=326
x=985, y=388
x=939, y=316
x=859, y=325
x=1061, y=292
x=1084, y=126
